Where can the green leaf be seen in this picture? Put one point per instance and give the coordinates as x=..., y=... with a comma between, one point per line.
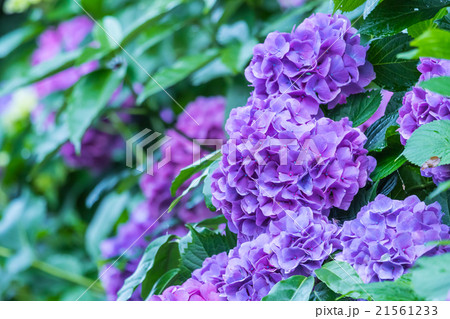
x=11, y=41
x=194, y=184
x=163, y=282
x=439, y=85
x=207, y=186
x=429, y=140
x=167, y=259
x=322, y=293
x=442, y=187
x=180, y=70
x=444, y=23
x=295, y=288
x=94, y=7
x=387, y=166
x=89, y=97
x=205, y=243
x=417, y=29
x=393, y=16
x=43, y=70
x=393, y=74
x=347, y=5
x=342, y=279
x=431, y=277
x=399, y=290
x=369, y=6
x=359, y=107
x=193, y=169
x=104, y=221
x=147, y=262
x=211, y=223
x=432, y=43
x=384, y=127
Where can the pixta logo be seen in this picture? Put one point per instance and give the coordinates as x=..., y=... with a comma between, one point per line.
x=141, y=150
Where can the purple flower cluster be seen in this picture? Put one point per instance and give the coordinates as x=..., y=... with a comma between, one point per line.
x=150, y=215
x=389, y=235
x=422, y=106
x=113, y=279
x=322, y=58
x=271, y=165
x=205, y=284
x=290, y=3
x=67, y=37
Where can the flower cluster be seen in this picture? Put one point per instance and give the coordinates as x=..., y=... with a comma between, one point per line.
x=150, y=218
x=389, y=235
x=290, y=3
x=204, y=285
x=67, y=37
x=113, y=279
x=322, y=58
x=272, y=165
x=422, y=106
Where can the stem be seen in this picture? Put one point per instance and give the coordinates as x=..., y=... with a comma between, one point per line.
x=58, y=273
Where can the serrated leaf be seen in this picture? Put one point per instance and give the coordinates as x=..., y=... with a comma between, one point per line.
x=204, y=244
x=193, y=169
x=439, y=85
x=431, y=139
x=342, y=279
x=295, y=288
x=369, y=6
x=393, y=74
x=180, y=70
x=359, y=107
x=393, y=16
x=89, y=97
x=146, y=263
x=430, y=277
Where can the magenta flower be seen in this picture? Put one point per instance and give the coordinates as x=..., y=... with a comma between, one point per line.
x=389, y=235
x=322, y=58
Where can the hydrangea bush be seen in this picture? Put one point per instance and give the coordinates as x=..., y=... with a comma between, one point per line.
x=208, y=151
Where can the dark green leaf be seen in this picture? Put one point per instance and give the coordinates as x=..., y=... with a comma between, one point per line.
x=359, y=107
x=393, y=16
x=204, y=244
x=393, y=74
x=444, y=23
x=388, y=162
x=417, y=29
x=439, y=85
x=147, y=262
x=167, y=259
x=193, y=169
x=11, y=41
x=94, y=7
x=89, y=97
x=369, y=6
x=212, y=223
x=295, y=288
x=181, y=69
x=322, y=293
x=429, y=140
x=163, y=282
x=431, y=277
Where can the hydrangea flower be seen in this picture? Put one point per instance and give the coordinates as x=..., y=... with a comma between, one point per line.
x=113, y=278
x=422, y=106
x=97, y=148
x=205, y=284
x=388, y=236
x=149, y=216
x=290, y=3
x=322, y=58
x=272, y=164
x=303, y=241
x=67, y=37
x=250, y=273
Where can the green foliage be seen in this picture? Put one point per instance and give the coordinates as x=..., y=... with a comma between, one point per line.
x=295, y=288
x=347, y=5
x=429, y=140
x=359, y=107
x=432, y=43
x=439, y=85
x=393, y=16
x=393, y=73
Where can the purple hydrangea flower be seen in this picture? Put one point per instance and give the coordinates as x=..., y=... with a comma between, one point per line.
x=290, y=3
x=388, y=236
x=205, y=284
x=149, y=215
x=303, y=241
x=97, y=148
x=322, y=58
x=113, y=279
x=250, y=273
x=68, y=36
x=272, y=164
x=422, y=106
